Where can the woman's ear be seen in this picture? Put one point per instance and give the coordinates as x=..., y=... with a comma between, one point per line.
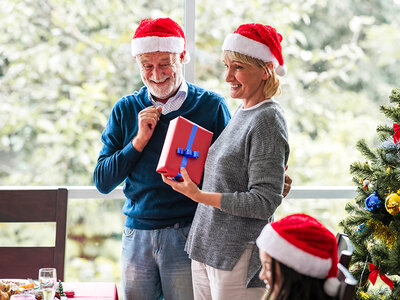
x=268, y=69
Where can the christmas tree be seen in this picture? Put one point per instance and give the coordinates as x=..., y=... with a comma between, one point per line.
x=373, y=221
x=60, y=288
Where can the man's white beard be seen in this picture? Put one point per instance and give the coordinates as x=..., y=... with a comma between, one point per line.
x=161, y=92
x=166, y=91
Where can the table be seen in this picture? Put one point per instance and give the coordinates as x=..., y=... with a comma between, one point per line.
x=92, y=290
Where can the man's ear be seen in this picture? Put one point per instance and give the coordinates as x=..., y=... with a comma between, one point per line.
x=182, y=55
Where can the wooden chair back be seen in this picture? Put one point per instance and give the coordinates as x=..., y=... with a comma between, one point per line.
x=345, y=249
x=34, y=206
x=348, y=283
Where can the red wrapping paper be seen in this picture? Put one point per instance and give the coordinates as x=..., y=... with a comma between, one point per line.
x=178, y=136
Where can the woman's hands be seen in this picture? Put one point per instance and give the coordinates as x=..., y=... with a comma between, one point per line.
x=186, y=187
x=287, y=186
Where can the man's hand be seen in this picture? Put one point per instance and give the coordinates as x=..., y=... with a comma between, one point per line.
x=287, y=185
x=147, y=121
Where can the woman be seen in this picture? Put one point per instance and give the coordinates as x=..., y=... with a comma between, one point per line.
x=299, y=258
x=244, y=171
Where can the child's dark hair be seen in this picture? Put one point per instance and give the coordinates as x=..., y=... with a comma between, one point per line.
x=296, y=286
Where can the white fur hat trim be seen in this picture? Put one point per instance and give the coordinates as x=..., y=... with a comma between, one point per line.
x=157, y=44
x=288, y=254
x=241, y=44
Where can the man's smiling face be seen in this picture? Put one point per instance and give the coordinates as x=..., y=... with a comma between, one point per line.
x=161, y=72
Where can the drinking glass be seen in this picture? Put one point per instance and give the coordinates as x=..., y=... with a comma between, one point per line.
x=48, y=282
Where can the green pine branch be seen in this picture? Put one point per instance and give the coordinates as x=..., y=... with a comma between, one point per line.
x=365, y=150
x=392, y=113
x=384, y=132
x=387, y=158
x=395, y=96
x=397, y=176
x=361, y=195
x=360, y=169
x=392, y=262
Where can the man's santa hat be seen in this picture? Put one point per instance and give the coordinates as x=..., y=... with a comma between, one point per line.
x=259, y=41
x=159, y=35
x=305, y=245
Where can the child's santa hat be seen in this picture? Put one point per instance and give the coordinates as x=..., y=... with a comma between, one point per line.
x=258, y=41
x=305, y=245
x=159, y=35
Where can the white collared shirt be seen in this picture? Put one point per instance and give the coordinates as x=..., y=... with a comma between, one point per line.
x=173, y=103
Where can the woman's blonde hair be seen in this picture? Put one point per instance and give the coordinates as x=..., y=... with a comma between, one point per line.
x=272, y=85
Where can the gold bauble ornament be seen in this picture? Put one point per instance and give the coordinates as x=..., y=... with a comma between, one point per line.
x=392, y=203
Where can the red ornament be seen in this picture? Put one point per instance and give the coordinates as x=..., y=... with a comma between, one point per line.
x=396, y=135
x=366, y=182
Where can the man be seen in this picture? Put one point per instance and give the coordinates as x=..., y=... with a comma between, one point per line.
x=154, y=263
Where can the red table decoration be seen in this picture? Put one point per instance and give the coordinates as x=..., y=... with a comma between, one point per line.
x=186, y=145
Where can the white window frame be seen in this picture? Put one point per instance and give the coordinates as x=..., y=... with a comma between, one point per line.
x=189, y=29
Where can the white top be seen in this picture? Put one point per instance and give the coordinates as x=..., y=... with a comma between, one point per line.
x=173, y=103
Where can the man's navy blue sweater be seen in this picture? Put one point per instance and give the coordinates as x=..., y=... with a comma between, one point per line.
x=151, y=203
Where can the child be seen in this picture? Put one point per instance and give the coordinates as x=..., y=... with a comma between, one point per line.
x=299, y=259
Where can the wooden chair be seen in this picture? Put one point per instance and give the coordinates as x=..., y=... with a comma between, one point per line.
x=347, y=288
x=34, y=206
x=345, y=249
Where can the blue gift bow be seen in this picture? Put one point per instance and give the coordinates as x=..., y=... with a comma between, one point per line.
x=188, y=152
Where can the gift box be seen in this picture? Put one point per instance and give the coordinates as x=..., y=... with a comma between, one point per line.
x=186, y=145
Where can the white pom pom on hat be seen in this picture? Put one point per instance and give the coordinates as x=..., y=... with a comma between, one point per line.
x=259, y=41
x=302, y=243
x=159, y=35
x=331, y=286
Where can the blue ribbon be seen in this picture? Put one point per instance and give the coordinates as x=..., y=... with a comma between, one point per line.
x=188, y=152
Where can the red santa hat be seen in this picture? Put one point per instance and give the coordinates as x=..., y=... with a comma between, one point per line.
x=305, y=245
x=162, y=34
x=259, y=41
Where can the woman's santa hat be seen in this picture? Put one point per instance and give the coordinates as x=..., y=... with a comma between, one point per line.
x=305, y=245
x=159, y=35
x=259, y=41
